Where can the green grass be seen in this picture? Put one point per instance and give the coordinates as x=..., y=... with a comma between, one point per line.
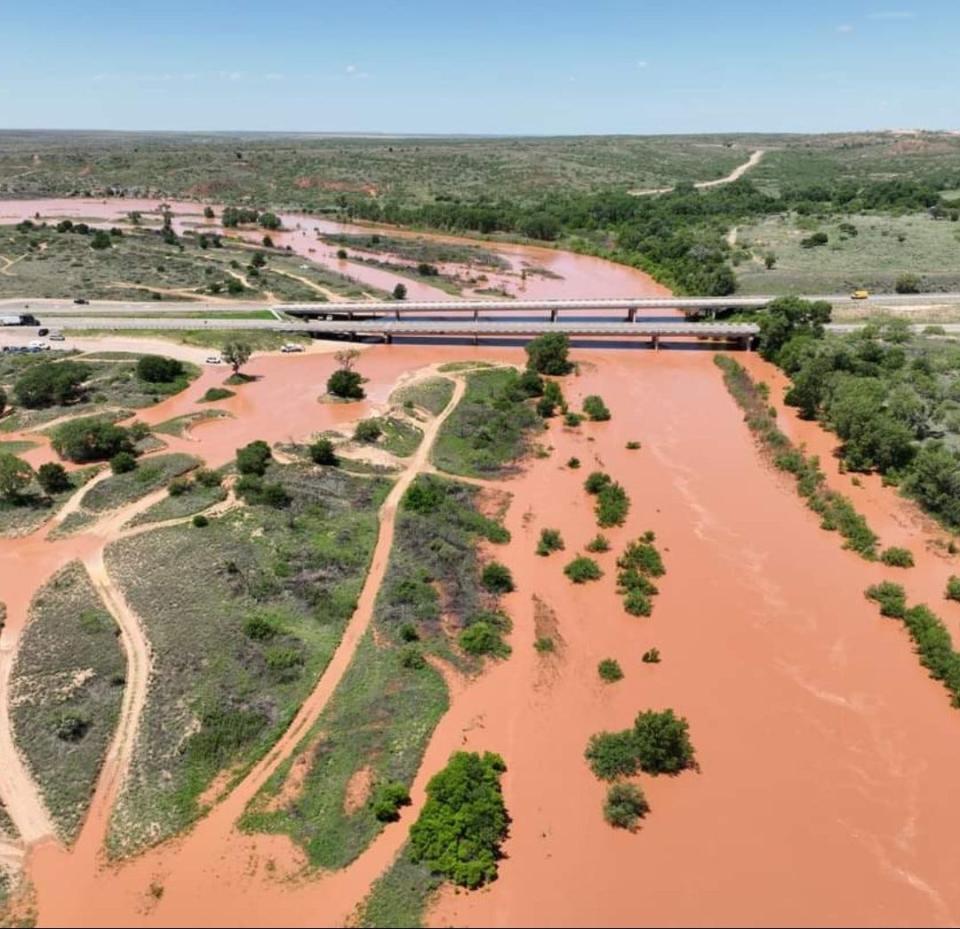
x=260, y=340
x=381, y=716
x=69, y=667
x=222, y=691
x=181, y=424
x=17, y=448
x=431, y=394
x=214, y=394
x=874, y=258
x=400, y=896
x=486, y=432
x=197, y=499
x=400, y=438
x=149, y=475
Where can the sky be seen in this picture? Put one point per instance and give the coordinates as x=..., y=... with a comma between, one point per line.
x=538, y=67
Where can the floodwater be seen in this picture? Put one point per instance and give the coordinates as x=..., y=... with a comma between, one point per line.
x=826, y=755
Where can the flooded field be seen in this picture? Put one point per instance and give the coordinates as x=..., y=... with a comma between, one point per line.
x=825, y=754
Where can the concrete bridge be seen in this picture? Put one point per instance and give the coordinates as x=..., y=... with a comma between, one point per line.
x=388, y=328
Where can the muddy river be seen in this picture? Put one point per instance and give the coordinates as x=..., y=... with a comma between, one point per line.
x=826, y=755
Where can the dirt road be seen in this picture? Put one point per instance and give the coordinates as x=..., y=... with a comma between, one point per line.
x=734, y=175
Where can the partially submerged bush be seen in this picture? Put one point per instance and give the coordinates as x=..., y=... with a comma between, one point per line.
x=464, y=820
x=625, y=806
x=549, y=354
x=254, y=458
x=890, y=597
x=367, y=430
x=658, y=743
x=953, y=588
x=346, y=384
x=596, y=481
x=599, y=543
x=610, y=671
x=595, y=408
x=583, y=569
x=550, y=541
x=612, y=506
x=91, y=438
x=897, y=557
x=496, y=578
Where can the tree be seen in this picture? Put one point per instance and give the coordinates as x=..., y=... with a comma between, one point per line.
x=464, y=820
x=267, y=242
x=400, y=292
x=3, y=401
x=208, y=212
x=595, y=408
x=548, y=354
x=90, y=439
x=50, y=383
x=345, y=382
x=367, y=430
x=155, y=369
x=346, y=357
x=236, y=354
x=496, y=578
x=625, y=806
x=15, y=476
x=100, y=240
x=787, y=317
x=769, y=261
x=53, y=478
x=269, y=220
x=322, y=452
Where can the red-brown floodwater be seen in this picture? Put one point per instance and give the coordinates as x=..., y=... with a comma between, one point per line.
x=827, y=757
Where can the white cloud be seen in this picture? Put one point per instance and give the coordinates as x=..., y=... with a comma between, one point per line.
x=351, y=69
x=892, y=14
x=274, y=76
x=845, y=28
x=642, y=64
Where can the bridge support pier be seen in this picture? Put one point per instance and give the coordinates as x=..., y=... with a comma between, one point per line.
x=553, y=314
x=476, y=313
x=396, y=314
x=655, y=341
x=387, y=338
x=476, y=338
x=632, y=314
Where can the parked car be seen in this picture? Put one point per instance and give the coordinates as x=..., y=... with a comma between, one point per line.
x=291, y=347
x=214, y=360
x=81, y=300
x=43, y=331
x=37, y=345
x=56, y=337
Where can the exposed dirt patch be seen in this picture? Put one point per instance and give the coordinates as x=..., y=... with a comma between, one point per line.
x=358, y=790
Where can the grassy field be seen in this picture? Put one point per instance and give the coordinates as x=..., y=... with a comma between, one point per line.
x=140, y=265
x=419, y=249
x=883, y=248
x=400, y=896
x=482, y=436
x=195, y=500
x=431, y=394
x=376, y=727
x=35, y=506
x=242, y=617
x=181, y=424
x=149, y=475
x=67, y=687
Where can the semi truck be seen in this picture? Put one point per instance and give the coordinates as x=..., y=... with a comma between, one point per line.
x=19, y=319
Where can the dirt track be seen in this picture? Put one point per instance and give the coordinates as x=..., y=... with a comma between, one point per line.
x=734, y=175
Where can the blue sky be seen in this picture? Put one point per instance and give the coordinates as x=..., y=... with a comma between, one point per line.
x=482, y=67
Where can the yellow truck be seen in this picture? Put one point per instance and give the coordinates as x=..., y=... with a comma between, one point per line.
x=860, y=294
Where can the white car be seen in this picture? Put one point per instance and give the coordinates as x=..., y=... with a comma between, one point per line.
x=57, y=337
x=38, y=345
x=214, y=360
x=291, y=347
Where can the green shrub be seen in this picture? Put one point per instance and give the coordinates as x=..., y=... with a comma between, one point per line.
x=662, y=742
x=544, y=644
x=483, y=638
x=595, y=408
x=599, y=543
x=612, y=506
x=897, y=557
x=891, y=598
x=625, y=806
x=550, y=541
x=463, y=821
x=409, y=633
x=637, y=603
x=200, y=521
x=953, y=588
x=155, y=369
x=254, y=458
x=387, y=800
x=51, y=383
x=367, y=430
x=583, y=569
x=123, y=463
x=322, y=452
x=207, y=477
x=178, y=487
x=214, y=394
x=612, y=755
x=596, y=481
x=496, y=578
x=609, y=670
x=411, y=658
x=651, y=656
x=633, y=446
x=572, y=420
x=573, y=463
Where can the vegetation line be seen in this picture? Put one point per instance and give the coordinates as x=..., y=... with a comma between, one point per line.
x=835, y=510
